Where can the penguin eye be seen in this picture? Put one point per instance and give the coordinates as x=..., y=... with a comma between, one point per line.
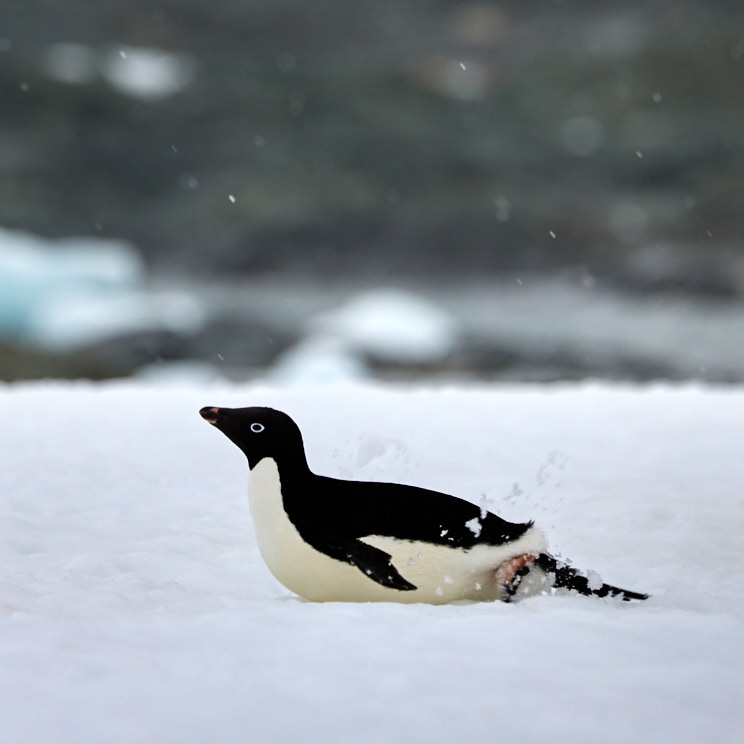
x=257, y=428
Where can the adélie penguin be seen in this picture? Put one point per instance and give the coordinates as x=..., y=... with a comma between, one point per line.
x=330, y=540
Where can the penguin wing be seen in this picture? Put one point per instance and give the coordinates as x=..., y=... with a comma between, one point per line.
x=370, y=561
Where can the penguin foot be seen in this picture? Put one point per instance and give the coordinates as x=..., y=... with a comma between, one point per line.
x=510, y=574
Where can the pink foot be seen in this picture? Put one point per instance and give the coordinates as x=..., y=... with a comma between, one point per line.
x=510, y=573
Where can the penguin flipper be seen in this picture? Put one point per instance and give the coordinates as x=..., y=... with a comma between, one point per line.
x=372, y=562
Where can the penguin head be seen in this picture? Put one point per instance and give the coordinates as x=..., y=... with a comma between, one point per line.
x=259, y=433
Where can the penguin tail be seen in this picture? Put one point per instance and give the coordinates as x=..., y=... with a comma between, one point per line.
x=560, y=575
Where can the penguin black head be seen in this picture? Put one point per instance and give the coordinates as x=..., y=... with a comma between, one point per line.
x=260, y=433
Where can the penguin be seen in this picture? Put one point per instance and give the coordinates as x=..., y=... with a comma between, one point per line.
x=332, y=540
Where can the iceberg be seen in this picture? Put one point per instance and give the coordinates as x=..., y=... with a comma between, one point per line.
x=62, y=294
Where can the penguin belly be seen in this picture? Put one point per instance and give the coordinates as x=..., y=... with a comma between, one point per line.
x=441, y=574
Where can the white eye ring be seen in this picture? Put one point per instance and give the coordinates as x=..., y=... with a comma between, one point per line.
x=257, y=428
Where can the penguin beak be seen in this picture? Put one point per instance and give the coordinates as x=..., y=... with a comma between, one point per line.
x=210, y=414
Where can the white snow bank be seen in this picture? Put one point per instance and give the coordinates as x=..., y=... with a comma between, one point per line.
x=391, y=325
x=385, y=325
x=134, y=606
x=319, y=359
x=73, y=320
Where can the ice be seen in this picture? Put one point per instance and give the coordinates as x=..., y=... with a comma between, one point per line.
x=70, y=320
x=67, y=293
x=385, y=325
x=391, y=325
x=319, y=359
x=135, y=607
x=34, y=271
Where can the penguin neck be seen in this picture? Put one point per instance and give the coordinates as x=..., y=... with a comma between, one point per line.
x=292, y=471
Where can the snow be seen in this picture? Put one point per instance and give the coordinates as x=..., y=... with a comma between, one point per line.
x=384, y=325
x=319, y=358
x=74, y=320
x=135, y=607
x=390, y=324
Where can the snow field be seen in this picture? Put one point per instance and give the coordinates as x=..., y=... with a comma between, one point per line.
x=134, y=606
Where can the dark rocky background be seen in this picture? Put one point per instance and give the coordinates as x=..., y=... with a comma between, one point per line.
x=424, y=142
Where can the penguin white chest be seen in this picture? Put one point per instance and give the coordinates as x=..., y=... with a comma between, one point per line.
x=296, y=564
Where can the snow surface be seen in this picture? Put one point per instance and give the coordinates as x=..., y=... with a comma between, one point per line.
x=134, y=606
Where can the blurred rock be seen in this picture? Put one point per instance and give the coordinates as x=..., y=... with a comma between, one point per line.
x=685, y=270
x=20, y=362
